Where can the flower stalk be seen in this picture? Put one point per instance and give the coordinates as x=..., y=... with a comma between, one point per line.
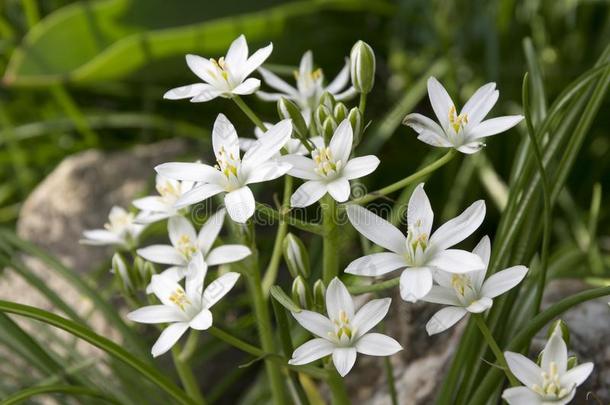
x=330, y=258
x=249, y=113
x=189, y=382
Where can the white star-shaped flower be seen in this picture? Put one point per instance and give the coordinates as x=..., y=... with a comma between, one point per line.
x=463, y=131
x=183, y=308
x=469, y=292
x=120, y=230
x=551, y=382
x=158, y=207
x=233, y=173
x=345, y=332
x=420, y=252
x=224, y=77
x=330, y=169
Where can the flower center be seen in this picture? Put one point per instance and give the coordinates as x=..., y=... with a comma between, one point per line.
x=417, y=243
x=326, y=166
x=179, y=298
x=167, y=190
x=227, y=164
x=221, y=68
x=343, y=329
x=458, y=122
x=119, y=222
x=186, y=247
x=551, y=386
x=460, y=283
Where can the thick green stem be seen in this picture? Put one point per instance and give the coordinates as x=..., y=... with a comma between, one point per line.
x=330, y=259
x=407, y=180
x=362, y=105
x=274, y=263
x=187, y=377
x=494, y=348
x=248, y=111
x=273, y=214
x=338, y=391
x=384, y=285
x=263, y=320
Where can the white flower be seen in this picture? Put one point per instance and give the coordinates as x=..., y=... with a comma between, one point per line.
x=420, y=252
x=549, y=383
x=309, y=87
x=120, y=230
x=469, y=292
x=224, y=77
x=186, y=243
x=183, y=308
x=345, y=332
x=330, y=169
x=465, y=131
x=158, y=207
x=233, y=173
x=293, y=146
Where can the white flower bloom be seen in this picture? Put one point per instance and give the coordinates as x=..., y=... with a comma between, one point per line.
x=345, y=332
x=309, y=87
x=158, y=207
x=469, y=292
x=233, y=173
x=463, y=131
x=420, y=252
x=186, y=243
x=549, y=383
x=224, y=77
x=120, y=230
x=293, y=146
x=330, y=169
x=183, y=308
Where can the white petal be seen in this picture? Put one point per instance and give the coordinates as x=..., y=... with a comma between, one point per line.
x=246, y=143
x=503, y=281
x=269, y=144
x=555, y=351
x=195, y=274
x=483, y=249
x=460, y=227
x=240, y=204
x=302, y=167
x=344, y=359
x=339, y=189
x=341, y=143
x=178, y=227
x=256, y=60
x=577, y=375
x=470, y=148
x=376, y=264
x=224, y=138
x=210, y=230
x=340, y=81
x=524, y=369
x=202, y=321
x=444, y=319
x=314, y=322
x=237, y=53
x=338, y=300
x=249, y=86
x=481, y=102
x=308, y=193
x=521, y=396
x=360, y=167
x=210, y=93
x=376, y=229
x=419, y=212
x=169, y=337
x=494, y=126
x=434, y=139
x=188, y=91
x=440, y=101
x=347, y=94
x=163, y=285
x=152, y=203
x=311, y=351
x=306, y=63
x=456, y=261
x=480, y=305
x=268, y=171
x=164, y=254
x=101, y=237
x=420, y=123
x=201, y=67
x=156, y=314
x=415, y=283
x=370, y=314
x=149, y=217
x=442, y=295
x=189, y=171
x=276, y=82
x=198, y=194
x=227, y=254
x=263, y=95
x=219, y=288
x=376, y=344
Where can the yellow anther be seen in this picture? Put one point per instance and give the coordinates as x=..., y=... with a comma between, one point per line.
x=460, y=283
x=179, y=298
x=457, y=121
x=186, y=246
x=325, y=163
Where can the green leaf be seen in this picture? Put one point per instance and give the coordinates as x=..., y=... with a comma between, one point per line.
x=280, y=296
x=21, y=396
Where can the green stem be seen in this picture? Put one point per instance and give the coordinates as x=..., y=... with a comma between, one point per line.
x=337, y=388
x=190, y=346
x=330, y=259
x=384, y=285
x=362, y=105
x=275, y=215
x=248, y=111
x=187, y=377
x=494, y=348
x=389, y=372
x=263, y=320
x=407, y=180
x=276, y=255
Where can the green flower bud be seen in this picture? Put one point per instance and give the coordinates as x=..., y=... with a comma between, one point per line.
x=296, y=257
x=300, y=293
x=362, y=67
x=289, y=110
x=319, y=292
x=328, y=129
x=280, y=296
x=572, y=362
x=119, y=268
x=355, y=119
x=320, y=115
x=328, y=100
x=340, y=112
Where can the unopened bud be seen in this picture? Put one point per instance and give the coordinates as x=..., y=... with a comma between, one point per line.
x=119, y=268
x=296, y=257
x=362, y=67
x=328, y=100
x=289, y=110
x=340, y=112
x=356, y=121
x=319, y=292
x=328, y=129
x=565, y=332
x=299, y=292
x=320, y=115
